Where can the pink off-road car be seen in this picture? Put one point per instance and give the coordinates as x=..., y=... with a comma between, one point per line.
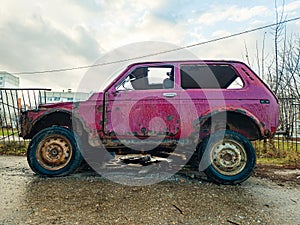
x=213, y=109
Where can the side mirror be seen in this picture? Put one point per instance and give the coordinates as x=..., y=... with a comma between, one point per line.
x=114, y=93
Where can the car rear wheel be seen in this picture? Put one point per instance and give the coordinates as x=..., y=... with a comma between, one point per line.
x=227, y=157
x=54, y=152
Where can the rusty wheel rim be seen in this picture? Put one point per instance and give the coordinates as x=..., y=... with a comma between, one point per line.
x=54, y=152
x=228, y=157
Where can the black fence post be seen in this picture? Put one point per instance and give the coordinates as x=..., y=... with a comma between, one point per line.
x=12, y=102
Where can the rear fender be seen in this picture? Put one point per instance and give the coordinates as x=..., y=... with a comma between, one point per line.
x=202, y=122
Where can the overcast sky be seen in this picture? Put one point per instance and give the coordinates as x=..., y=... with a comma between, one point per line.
x=43, y=35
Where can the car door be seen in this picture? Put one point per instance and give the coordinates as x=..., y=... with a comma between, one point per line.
x=143, y=104
x=208, y=89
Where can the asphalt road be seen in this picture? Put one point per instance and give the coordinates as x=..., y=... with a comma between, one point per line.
x=87, y=198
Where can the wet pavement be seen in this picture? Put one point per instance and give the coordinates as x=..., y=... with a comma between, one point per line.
x=87, y=198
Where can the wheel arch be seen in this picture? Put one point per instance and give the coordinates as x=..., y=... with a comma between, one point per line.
x=238, y=120
x=57, y=117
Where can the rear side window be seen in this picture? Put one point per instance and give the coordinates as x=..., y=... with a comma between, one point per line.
x=209, y=77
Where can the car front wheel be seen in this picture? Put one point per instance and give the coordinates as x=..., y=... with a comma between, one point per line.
x=54, y=152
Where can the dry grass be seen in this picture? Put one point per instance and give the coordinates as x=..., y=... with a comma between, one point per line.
x=13, y=148
x=277, y=151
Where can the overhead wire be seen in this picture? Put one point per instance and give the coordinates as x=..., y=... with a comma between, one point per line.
x=157, y=53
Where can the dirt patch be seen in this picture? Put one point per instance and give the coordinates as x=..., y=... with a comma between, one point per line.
x=280, y=174
x=88, y=198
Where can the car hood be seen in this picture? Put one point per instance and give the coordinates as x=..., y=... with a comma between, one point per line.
x=69, y=105
x=65, y=105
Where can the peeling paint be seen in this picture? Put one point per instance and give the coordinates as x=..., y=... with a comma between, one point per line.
x=169, y=117
x=147, y=113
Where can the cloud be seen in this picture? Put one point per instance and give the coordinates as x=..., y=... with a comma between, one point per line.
x=36, y=44
x=51, y=35
x=290, y=7
x=220, y=33
x=89, y=5
x=33, y=41
x=40, y=35
x=233, y=13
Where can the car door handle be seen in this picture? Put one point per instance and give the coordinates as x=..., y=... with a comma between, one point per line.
x=169, y=95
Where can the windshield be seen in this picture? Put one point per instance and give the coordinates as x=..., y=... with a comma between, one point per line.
x=98, y=78
x=111, y=77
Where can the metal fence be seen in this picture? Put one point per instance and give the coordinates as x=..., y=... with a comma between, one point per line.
x=12, y=102
x=286, y=142
x=280, y=146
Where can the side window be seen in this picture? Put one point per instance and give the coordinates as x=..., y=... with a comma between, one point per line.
x=161, y=77
x=209, y=77
x=236, y=84
x=145, y=78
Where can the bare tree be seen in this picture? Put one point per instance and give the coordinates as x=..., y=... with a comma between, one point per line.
x=277, y=36
x=281, y=69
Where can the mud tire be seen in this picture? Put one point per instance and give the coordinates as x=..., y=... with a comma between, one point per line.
x=240, y=154
x=54, y=152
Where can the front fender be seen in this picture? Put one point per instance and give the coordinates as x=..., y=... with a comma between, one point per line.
x=33, y=121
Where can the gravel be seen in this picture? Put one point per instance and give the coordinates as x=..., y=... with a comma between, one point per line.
x=87, y=198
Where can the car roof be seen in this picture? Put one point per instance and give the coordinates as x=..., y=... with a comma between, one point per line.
x=187, y=61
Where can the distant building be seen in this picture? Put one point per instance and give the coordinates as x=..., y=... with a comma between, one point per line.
x=68, y=96
x=8, y=80
x=8, y=99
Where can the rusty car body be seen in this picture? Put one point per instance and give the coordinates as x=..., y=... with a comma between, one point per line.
x=186, y=103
